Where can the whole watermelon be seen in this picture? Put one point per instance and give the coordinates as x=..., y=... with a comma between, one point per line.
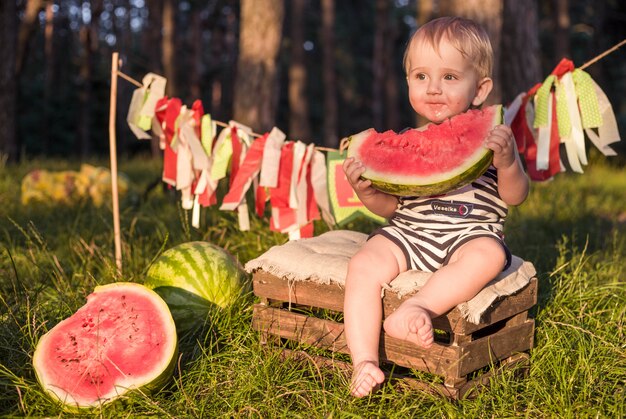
x=195, y=277
x=122, y=339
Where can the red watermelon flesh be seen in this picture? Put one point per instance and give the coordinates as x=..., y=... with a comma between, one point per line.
x=123, y=338
x=429, y=160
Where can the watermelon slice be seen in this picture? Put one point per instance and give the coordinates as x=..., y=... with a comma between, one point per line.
x=431, y=160
x=123, y=339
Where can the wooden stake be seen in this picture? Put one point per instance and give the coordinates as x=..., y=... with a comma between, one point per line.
x=113, y=156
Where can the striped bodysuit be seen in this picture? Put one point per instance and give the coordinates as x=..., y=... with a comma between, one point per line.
x=429, y=229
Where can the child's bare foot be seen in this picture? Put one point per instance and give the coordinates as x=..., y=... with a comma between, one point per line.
x=412, y=323
x=365, y=378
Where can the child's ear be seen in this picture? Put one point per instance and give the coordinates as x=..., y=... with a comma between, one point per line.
x=482, y=91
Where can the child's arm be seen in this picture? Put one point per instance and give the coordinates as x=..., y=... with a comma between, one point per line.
x=513, y=183
x=378, y=202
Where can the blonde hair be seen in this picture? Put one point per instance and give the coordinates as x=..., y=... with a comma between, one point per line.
x=465, y=35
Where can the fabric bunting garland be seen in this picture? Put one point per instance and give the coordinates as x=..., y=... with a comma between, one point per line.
x=289, y=175
x=551, y=119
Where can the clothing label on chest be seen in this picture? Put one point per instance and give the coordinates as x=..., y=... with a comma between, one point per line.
x=452, y=208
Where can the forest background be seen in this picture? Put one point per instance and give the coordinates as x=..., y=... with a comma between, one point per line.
x=317, y=69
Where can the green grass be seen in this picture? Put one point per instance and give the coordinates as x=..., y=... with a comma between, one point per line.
x=51, y=258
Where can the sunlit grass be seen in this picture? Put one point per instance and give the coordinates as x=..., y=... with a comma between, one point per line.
x=51, y=258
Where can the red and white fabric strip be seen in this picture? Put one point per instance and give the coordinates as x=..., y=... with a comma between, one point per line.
x=245, y=174
x=271, y=158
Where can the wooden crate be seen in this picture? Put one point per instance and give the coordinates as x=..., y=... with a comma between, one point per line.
x=461, y=348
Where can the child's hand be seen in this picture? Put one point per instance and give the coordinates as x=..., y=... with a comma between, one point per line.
x=354, y=169
x=502, y=142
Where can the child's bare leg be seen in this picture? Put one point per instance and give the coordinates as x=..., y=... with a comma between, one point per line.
x=376, y=263
x=471, y=267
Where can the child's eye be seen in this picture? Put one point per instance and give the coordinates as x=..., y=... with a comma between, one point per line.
x=449, y=77
x=420, y=76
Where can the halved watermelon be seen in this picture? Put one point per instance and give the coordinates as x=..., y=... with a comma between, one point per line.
x=123, y=339
x=431, y=160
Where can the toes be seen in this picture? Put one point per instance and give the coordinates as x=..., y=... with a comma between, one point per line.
x=366, y=378
x=378, y=377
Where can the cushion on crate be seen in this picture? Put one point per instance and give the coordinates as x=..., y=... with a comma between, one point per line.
x=324, y=259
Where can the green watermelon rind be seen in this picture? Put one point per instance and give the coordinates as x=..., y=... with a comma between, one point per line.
x=438, y=188
x=149, y=386
x=403, y=185
x=182, y=275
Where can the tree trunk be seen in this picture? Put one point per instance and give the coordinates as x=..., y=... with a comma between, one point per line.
x=392, y=82
x=425, y=11
x=152, y=39
x=561, y=32
x=195, y=54
x=520, y=57
x=330, y=131
x=167, y=45
x=8, y=82
x=152, y=47
x=299, y=127
x=256, y=80
x=26, y=30
x=89, y=40
x=487, y=13
x=379, y=65
x=48, y=78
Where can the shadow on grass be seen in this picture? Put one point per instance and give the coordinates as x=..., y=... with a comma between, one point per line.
x=199, y=322
x=545, y=242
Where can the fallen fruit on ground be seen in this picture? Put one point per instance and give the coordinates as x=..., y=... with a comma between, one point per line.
x=122, y=339
x=194, y=277
x=431, y=160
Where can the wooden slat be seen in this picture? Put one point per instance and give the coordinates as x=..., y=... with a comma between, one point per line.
x=496, y=347
x=331, y=296
x=297, y=327
x=306, y=293
x=472, y=387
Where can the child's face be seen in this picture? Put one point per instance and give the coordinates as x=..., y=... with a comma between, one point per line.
x=443, y=83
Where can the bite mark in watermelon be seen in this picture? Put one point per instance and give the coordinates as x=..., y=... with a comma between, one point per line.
x=427, y=161
x=193, y=278
x=122, y=339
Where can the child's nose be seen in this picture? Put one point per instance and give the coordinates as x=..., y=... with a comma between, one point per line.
x=434, y=87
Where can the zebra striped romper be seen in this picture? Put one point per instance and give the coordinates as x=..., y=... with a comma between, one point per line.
x=429, y=229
